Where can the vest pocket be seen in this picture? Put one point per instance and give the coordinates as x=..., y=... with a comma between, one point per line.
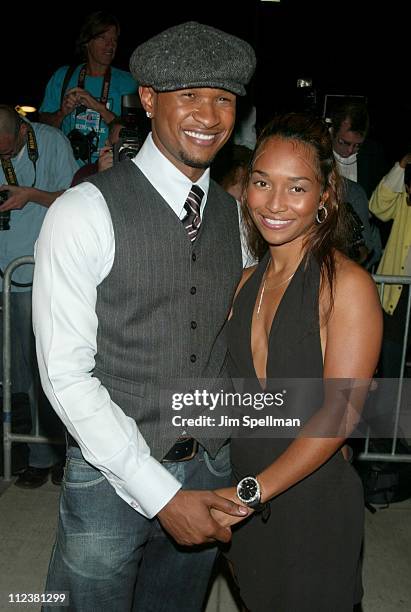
x=120, y=384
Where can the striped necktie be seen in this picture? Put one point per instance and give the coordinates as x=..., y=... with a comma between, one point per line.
x=192, y=219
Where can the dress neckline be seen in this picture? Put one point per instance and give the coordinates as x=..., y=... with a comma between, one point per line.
x=274, y=322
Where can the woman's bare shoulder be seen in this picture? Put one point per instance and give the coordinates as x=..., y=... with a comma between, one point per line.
x=354, y=289
x=352, y=280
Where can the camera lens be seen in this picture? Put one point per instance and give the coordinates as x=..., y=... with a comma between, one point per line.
x=4, y=220
x=4, y=215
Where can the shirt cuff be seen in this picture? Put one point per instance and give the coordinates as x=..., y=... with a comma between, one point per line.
x=394, y=180
x=151, y=488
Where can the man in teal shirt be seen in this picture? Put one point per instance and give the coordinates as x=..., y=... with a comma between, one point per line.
x=91, y=98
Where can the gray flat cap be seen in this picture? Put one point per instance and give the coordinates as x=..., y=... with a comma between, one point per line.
x=193, y=55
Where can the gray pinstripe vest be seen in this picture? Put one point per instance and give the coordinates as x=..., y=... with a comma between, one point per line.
x=162, y=308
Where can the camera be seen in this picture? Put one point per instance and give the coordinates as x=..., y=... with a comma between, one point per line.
x=128, y=145
x=82, y=144
x=4, y=215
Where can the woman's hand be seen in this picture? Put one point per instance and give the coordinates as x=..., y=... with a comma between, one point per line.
x=227, y=520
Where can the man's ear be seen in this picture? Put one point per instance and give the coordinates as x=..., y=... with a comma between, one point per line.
x=147, y=97
x=23, y=129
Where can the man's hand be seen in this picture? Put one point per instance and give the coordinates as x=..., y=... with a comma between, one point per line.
x=82, y=96
x=70, y=101
x=105, y=158
x=18, y=197
x=227, y=520
x=78, y=96
x=188, y=517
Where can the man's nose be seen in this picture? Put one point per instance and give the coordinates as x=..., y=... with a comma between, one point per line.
x=206, y=114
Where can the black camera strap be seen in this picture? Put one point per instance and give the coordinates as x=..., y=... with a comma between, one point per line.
x=33, y=154
x=11, y=177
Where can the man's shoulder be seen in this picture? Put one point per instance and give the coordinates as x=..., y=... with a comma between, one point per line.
x=57, y=77
x=125, y=169
x=353, y=189
x=123, y=78
x=50, y=133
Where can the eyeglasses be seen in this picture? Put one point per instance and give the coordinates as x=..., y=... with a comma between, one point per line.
x=344, y=143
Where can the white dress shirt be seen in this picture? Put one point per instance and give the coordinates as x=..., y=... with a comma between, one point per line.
x=74, y=253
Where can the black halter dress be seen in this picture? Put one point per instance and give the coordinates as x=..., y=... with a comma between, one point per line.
x=306, y=556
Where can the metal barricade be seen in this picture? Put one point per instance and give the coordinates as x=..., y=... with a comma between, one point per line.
x=367, y=455
x=8, y=436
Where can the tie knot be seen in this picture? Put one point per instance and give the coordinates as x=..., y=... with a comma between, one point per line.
x=196, y=195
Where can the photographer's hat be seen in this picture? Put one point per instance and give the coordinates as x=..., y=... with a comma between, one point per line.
x=193, y=55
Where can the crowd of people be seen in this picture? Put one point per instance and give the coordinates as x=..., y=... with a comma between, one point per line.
x=208, y=259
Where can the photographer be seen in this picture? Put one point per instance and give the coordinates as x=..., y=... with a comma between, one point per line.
x=122, y=142
x=83, y=100
x=37, y=165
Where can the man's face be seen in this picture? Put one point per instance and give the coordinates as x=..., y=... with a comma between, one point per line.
x=102, y=48
x=346, y=142
x=11, y=144
x=190, y=126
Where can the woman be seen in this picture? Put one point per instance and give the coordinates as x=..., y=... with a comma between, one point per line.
x=307, y=312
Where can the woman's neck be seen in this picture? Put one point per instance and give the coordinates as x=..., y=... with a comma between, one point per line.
x=285, y=257
x=95, y=69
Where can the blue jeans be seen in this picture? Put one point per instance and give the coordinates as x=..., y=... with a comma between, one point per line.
x=24, y=379
x=109, y=557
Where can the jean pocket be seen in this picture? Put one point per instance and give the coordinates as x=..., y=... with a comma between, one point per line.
x=221, y=464
x=80, y=474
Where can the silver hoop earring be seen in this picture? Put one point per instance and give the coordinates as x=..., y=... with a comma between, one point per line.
x=324, y=211
x=148, y=114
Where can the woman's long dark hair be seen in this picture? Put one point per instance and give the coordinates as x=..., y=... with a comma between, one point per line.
x=331, y=234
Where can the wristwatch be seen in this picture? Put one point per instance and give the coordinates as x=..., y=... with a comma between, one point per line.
x=249, y=493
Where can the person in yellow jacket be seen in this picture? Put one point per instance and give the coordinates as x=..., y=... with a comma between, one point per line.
x=391, y=200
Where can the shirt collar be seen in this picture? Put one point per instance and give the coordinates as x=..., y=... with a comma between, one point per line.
x=346, y=161
x=170, y=183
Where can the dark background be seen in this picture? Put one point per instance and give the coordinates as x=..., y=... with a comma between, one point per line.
x=341, y=50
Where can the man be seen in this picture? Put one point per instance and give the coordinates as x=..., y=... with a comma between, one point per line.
x=91, y=98
x=38, y=164
x=358, y=158
x=140, y=266
x=105, y=159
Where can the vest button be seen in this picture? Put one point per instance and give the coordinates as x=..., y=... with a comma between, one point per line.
x=193, y=256
x=193, y=358
x=193, y=325
x=193, y=290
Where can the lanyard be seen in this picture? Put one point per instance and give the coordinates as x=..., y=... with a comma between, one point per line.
x=104, y=89
x=33, y=154
x=106, y=82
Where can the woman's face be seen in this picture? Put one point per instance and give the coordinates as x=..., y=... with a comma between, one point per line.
x=284, y=192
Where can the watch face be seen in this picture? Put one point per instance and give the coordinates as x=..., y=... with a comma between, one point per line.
x=248, y=490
